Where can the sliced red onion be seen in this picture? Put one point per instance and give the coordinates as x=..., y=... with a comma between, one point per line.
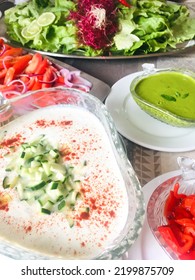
x=67, y=77
x=13, y=93
x=82, y=87
x=24, y=87
x=4, y=59
x=77, y=79
x=49, y=82
x=64, y=71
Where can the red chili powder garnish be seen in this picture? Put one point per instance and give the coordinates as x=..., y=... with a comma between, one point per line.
x=102, y=207
x=4, y=200
x=27, y=229
x=93, y=201
x=64, y=123
x=40, y=123
x=45, y=123
x=112, y=214
x=4, y=207
x=84, y=216
x=13, y=141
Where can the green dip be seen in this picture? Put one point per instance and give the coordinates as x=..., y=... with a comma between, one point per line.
x=172, y=91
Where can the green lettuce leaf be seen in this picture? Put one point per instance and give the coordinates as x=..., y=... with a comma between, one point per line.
x=148, y=26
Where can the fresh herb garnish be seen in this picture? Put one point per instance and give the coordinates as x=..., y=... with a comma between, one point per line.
x=185, y=95
x=177, y=94
x=168, y=97
x=172, y=98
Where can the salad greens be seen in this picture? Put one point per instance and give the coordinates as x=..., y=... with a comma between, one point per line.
x=147, y=26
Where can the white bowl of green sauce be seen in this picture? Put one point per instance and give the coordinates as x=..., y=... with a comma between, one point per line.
x=167, y=95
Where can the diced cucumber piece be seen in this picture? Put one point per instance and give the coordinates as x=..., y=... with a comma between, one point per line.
x=45, y=211
x=23, y=154
x=20, y=190
x=71, y=199
x=38, y=186
x=54, y=185
x=43, y=180
x=84, y=209
x=70, y=222
x=54, y=153
x=46, y=167
x=9, y=182
x=61, y=205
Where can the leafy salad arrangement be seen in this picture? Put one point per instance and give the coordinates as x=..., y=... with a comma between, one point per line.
x=100, y=27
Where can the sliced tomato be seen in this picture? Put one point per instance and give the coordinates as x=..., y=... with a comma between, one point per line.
x=22, y=63
x=188, y=256
x=29, y=81
x=3, y=73
x=192, y=209
x=12, y=52
x=59, y=80
x=25, y=79
x=9, y=75
x=190, y=231
x=37, y=85
x=188, y=202
x=186, y=222
x=7, y=46
x=125, y=3
x=8, y=61
x=34, y=64
x=169, y=237
x=4, y=64
x=4, y=88
x=42, y=67
x=171, y=240
x=180, y=213
x=48, y=78
x=188, y=242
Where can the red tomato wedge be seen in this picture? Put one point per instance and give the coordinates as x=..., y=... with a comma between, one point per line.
x=9, y=75
x=179, y=232
x=125, y=3
x=21, y=72
x=22, y=63
x=34, y=64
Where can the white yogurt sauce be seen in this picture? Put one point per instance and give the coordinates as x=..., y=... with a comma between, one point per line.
x=103, y=187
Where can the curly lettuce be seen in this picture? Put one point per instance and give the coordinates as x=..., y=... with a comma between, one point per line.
x=152, y=26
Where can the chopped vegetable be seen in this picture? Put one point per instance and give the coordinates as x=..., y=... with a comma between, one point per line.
x=41, y=178
x=21, y=72
x=179, y=232
x=125, y=3
x=100, y=27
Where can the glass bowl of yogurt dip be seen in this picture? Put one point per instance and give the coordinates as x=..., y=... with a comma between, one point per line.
x=67, y=188
x=166, y=94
